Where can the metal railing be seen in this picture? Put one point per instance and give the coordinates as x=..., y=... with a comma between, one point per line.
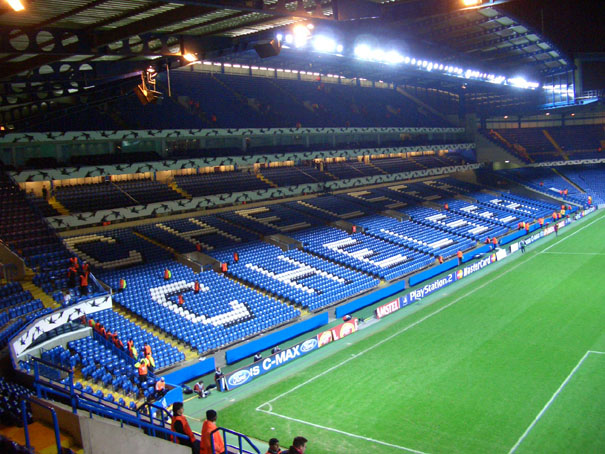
x=53, y=413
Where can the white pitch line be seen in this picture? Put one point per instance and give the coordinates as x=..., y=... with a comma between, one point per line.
x=386, y=339
x=402, y=448
x=577, y=231
x=549, y=403
x=574, y=253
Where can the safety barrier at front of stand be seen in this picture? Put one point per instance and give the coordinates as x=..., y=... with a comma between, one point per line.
x=55, y=422
x=240, y=439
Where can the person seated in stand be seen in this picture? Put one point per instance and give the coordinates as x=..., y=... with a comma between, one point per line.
x=199, y=389
x=275, y=350
x=160, y=387
x=274, y=447
x=257, y=357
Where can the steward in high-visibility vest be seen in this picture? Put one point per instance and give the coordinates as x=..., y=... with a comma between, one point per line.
x=122, y=285
x=459, y=255
x=440, y=258
x=167, y=274
x=150, y=362
x=196, y=287
x=142, y=367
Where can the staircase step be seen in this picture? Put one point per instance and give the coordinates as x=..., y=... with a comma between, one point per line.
x=38, y=293
x=175, y=187
x=53, y=202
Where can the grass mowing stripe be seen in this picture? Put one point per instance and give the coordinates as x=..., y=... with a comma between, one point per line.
x=469, y=389
x=552, y=399
x=386, y=339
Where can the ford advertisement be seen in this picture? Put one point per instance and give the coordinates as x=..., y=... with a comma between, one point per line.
x=246, y=374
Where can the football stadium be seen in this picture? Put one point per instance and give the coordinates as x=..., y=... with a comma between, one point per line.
x=302, y=226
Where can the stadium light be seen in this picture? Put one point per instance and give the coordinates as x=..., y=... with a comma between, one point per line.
x=325, y=44
x=363, y=51
x=472, y=2
x=16, y=5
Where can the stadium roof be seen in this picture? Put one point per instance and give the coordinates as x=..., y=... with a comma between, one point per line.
x=58, y=48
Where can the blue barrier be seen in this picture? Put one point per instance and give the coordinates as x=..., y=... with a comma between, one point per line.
x=188, y=373
x=370, y=299
x=513, y=236
x=482, y=250
x=250, y=348
x=432, y=272
x=172, y=396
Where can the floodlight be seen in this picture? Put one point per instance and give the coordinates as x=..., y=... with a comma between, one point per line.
x=289, y=38
x=339, y=48
x=363, y=51
x=406, y=60
x=471, y=2
x=324, y=44
x=190, y=57
x=378, y=55
x=16, y=5
x=394, y=57
x=301, y=30
x=279, y=36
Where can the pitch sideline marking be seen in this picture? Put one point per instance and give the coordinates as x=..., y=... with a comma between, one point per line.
x=372, y=347
x=552, y=399
x=402, y=448
x=572, y=234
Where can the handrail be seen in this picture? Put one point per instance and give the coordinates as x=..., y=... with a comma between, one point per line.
x=55, y=422
x=240, y=437
x=157, y=407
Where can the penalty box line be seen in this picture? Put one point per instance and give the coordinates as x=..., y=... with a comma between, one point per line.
x=552, y=399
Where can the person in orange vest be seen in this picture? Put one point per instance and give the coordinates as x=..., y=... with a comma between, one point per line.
x=520, y=225
x=117, y=342
x=440, y=259
x=562, y=207
x=181, y=300
x=146, y=349
x=181, y=425
x=142, y=368
x=565, y=192
x=235, y=257
x=526, y=228
x=446, y=206
x=554, y=215
x=558, y=215
x=224, y=267
x=541, y=222
x=198, y=247
x=122, y=285
x=460, y=256
x=208, y=436
x=160, y=387
x=84, y=284
x=589, y=200
x=132, y=350
x=102, y=331
x=488, y=240
x=72, y=274
x=494, y=242
x=196, y=287
x=74, y=262
x=85, y=268
x=167, y=274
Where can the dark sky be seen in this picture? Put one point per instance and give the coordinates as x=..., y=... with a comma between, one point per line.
x=571, y=25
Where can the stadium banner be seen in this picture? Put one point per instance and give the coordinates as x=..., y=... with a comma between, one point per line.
x=387, y=308
x=478, y=265
x=246, y=374
x=580, y=214
x=426, y=290
x=337, y=332
x=500, y=254
x=46, y=323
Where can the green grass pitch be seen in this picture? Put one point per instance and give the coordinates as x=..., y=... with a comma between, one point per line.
x=511, y=361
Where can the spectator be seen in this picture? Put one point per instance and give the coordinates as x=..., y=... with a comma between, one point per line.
x=84, y=284
x=142, y=369
x=460, y=256
x=160, y=387
x=208, y=428
x=522, y=244
x=66, y=298
x=257, y=357
x=273, y=446
x=181, y=425
x=167, y=274
x=299, y=446
x=219, y=379
x=275, y=350
x=200, y=390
